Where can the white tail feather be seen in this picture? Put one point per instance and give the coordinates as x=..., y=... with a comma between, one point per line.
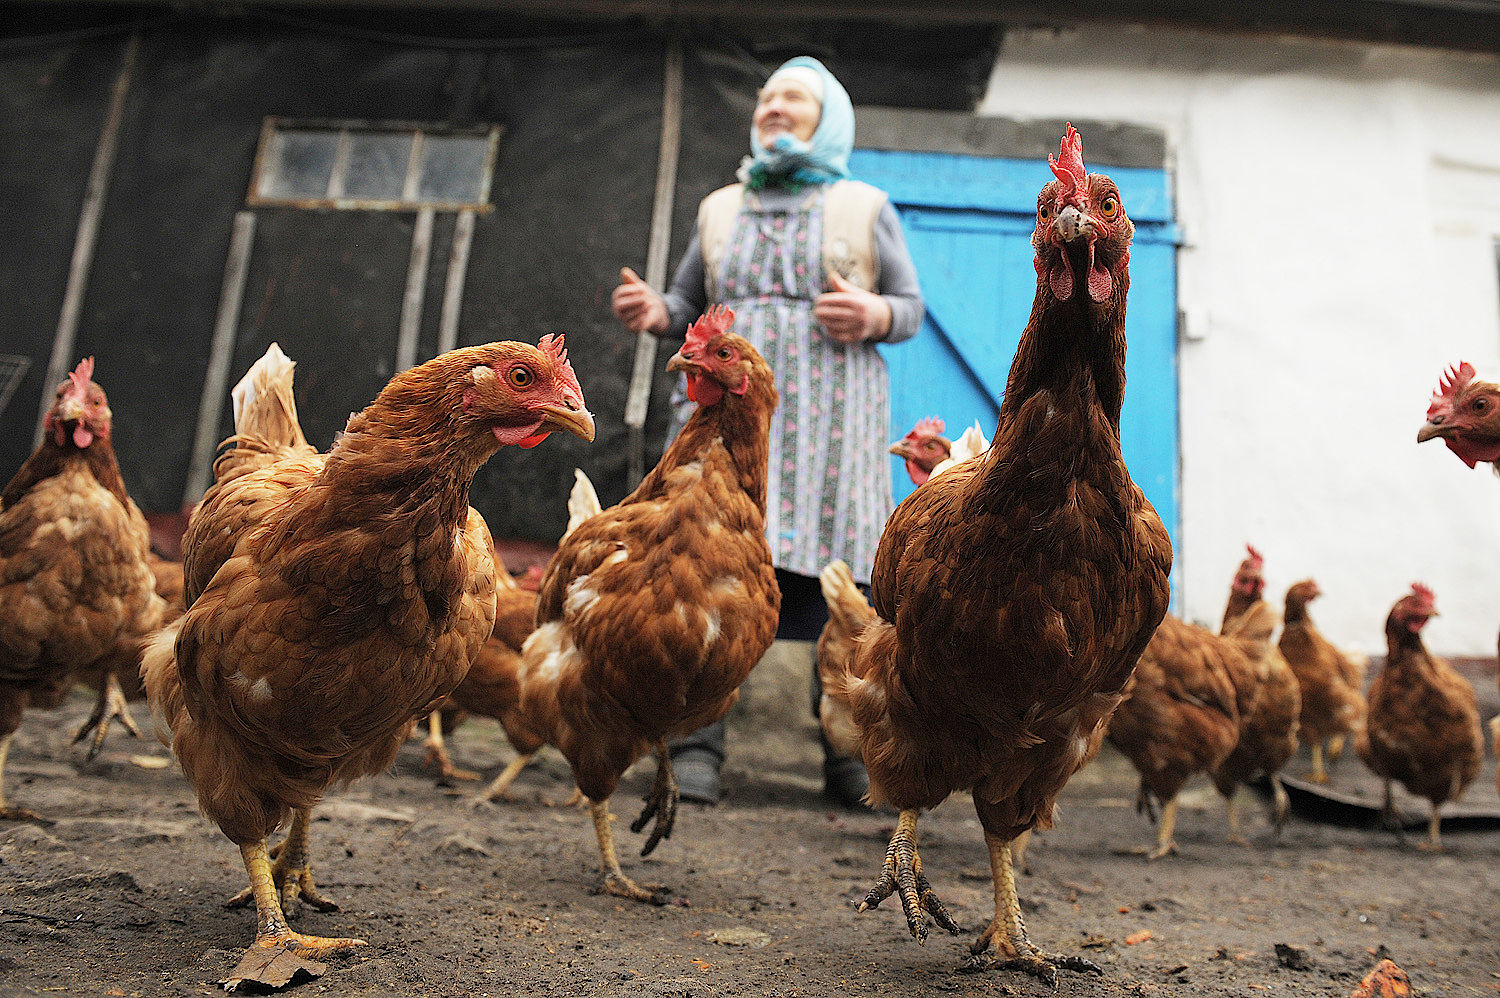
x=583, y=501
x=970, y=443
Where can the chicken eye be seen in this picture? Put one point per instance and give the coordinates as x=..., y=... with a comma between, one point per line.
x=1044, y=212
x=1481, y=404
x=1110, y=207
x=723, y=353
x=520, y=377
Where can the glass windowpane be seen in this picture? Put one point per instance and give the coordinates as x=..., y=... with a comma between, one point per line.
x=452, y=167
x=301, y=162
x=377, y=165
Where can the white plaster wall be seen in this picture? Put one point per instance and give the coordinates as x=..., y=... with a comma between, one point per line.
x=1340, y=204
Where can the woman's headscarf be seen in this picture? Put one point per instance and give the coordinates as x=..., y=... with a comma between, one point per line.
x=791, y=162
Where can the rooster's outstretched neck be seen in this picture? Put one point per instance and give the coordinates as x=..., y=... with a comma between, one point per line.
x=1073, y=350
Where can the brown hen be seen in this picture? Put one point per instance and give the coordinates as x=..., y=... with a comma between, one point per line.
x=75, y=591
x=1332, y=682
x=1270, y=702
x=1016, y=590
x=1181, y=716
x=1423, y=723
x=654, y=611
x=334, y=600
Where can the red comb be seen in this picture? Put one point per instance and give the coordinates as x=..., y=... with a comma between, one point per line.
x=1453, y=381
x=1423, y=595
x=927, y=426
x=553, y=347
x=82, y=375
x=1068, y=166
x=1254, y=559
x=716, y=320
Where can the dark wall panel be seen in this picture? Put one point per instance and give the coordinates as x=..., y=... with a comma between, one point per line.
x=53, y=102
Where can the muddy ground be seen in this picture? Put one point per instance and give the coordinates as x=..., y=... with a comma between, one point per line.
x=122, y=893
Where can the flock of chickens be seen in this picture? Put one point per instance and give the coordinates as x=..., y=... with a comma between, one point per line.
x=327, y=602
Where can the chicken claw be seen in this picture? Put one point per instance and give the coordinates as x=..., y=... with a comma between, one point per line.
x=615, y=881
x=111, y=705
x=661, y=802
x=903, y=874
x=278, y=954
x=291, y=873
x=437, y=753
x=1004, y=945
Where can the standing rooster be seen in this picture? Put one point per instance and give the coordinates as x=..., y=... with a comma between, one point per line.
x=333, y=600
x=1423, y=725
x=76, y=594
x=654, y=611
x=1016, y=591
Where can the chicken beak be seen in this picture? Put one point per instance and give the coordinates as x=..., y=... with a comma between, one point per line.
x=69, y=410
x=678, y=362
x=1431, y=429
x=899, y=449
x=1071, y=224
x=576, y=421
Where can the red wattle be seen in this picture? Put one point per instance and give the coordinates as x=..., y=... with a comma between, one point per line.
x=1101, y=282
x=1060, y=278
x=704, y=390
x=82, y=436
x=533, y=440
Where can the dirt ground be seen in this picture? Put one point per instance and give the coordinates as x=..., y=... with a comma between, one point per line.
x=121, y=894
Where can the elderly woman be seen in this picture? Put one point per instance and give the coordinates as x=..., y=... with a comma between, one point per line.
x=816, y=269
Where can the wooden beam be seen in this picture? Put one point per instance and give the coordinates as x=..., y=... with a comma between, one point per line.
x=63, y=342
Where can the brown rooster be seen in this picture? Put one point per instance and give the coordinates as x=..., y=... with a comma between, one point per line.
x=1423, y=725
x=76, y=593
x=333, y=600
x=1332, y=683
x=1016, y=590
x=654, y=611
x=923, y=447
x=1181, y=716
x=1270, y=700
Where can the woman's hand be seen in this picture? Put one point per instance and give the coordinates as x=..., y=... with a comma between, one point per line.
x=637, y=306
x=850, y=314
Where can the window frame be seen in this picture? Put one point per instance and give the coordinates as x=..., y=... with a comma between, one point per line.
x=343, y=129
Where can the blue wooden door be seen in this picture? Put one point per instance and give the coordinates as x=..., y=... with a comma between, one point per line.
x=968, y=221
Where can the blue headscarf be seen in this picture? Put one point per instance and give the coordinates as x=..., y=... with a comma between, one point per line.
x=791, y=162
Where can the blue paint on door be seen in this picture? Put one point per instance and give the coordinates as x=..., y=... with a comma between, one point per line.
x=968, y=221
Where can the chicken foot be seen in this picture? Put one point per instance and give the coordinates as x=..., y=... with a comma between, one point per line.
x=1005, y=945
x=110, y=705
x=1165, y=844
x=1434, y=841
x=1231, y=810
x=903, y=874
x=500, y=788
x=661, y=802
x=8, y=813
x=437, y=752
x=615, y=881
x=291, y=873
x=278, y=954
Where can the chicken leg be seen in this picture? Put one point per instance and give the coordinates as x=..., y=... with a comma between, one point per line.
x=110, y=705
x=1434, y=841
x=903, y=874
x=1165, y=844
x=661, y=802
x=1005, y=945
x=278, y=953
x=291, y=874
x=500, y=788
x=615, y=881
x=437, y=752
x=1236, y=838
x=1318, y=774
x=11, y=813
